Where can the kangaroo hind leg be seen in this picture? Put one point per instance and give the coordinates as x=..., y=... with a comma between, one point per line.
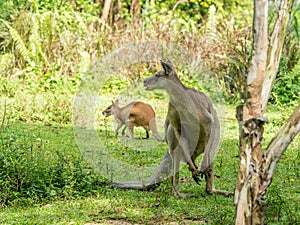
x=210, y=186
x=176, y=154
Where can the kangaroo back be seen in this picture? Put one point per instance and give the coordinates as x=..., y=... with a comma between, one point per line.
x=141, y=113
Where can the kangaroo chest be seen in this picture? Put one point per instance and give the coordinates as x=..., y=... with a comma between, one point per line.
x=174, y=117
x=186, y=125
x=180, y=118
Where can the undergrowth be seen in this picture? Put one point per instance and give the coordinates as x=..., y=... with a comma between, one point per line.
x=41, y=162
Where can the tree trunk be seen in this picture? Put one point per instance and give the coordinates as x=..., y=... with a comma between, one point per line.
x=135, y=10
x=256, y=171
x=106, y=10
x=249, y=211
x=74, y=5
x=275, y=49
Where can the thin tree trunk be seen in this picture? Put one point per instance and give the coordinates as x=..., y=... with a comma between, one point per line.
x=256, y=171
x=275, y=49
x=119, y=7
x=106, y=10
x=74, y=5
x=135, y=10
x=249, y=209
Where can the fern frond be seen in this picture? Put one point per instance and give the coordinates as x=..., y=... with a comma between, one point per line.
x=20, y=45
x=35, y=40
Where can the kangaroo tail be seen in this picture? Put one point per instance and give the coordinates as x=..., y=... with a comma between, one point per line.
x=161, y=174
x=153, y=128
x=212, y=145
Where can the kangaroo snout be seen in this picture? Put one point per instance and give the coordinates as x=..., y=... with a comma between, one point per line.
x=147, y=84
x=106, y=112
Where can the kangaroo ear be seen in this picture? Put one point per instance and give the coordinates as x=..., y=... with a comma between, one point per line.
x=116, y=102
x=168, y=67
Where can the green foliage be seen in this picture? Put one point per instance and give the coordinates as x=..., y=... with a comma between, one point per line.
x=114, y=85
x=32, y=167
x=280, y=205
x=49, y=101
x=10, y=7
x=280, y=210
x=286, y=90
x=48, y=37
x=20, y=45
x=46, y=42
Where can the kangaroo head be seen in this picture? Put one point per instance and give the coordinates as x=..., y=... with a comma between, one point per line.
x=163, y=78
x=110, y=109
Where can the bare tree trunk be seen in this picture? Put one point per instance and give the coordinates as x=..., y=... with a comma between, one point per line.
x=275, y=49
x=106, y=10
x=256, y=171
x=135, y=10
x=251, y=132
x=119, y=7
x=74, y=5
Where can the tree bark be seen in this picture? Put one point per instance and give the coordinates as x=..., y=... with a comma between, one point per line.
x=106, y=10
x=256, y=171
x=275, y=49
x=135, y=10
x=74, y=5
x=249, y=211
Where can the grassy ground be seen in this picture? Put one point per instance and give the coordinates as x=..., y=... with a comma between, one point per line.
x=102, y=204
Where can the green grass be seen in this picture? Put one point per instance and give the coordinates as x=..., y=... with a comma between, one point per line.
x=130, y=206
x=68, y=191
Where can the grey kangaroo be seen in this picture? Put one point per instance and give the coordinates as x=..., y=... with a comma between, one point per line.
x=192, y=127
x=135, y=114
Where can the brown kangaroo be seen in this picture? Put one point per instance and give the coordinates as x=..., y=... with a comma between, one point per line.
x=192, y=127
x=135, y=114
